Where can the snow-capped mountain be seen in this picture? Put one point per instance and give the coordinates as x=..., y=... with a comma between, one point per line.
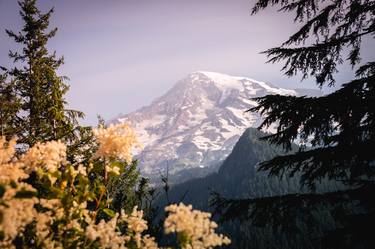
x=196, y=124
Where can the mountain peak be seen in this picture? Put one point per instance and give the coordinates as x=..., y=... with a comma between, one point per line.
x=197, y=122
x=217, y=76
x=226, y=82
x=222, y=80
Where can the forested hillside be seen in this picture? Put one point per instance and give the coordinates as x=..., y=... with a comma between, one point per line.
x=238, y=178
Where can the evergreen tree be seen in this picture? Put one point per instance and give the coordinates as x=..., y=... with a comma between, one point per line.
x=32, y=108
x=340, y=126
x=41, y=115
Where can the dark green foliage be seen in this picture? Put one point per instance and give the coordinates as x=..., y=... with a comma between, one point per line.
x=35, y=107
x=28, y=238
x=129, y=190
x=329, y=27
x=9, y=106
x=339, y=127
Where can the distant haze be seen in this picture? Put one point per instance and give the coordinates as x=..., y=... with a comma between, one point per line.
x=121, y=54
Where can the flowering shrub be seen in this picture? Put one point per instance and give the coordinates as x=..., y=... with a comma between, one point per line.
x=194, y=228
x=116, y=141
x=47, y=202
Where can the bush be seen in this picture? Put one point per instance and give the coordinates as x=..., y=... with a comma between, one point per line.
x=48, y=202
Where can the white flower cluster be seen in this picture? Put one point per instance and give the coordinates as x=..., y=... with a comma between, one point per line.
x=6, y=150
x=44, y=220
x=116, y=141
x=106, y=233
x=194, y=226
x=10, y=171
x=135, y=222
x=18, y=211
x=109, y=236
x=16, y=214
x=49, y=156
x=136, y=226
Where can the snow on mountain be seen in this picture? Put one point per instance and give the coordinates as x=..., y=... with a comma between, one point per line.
x=196, y=124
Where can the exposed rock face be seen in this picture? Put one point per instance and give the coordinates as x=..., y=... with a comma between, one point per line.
x=196, y=124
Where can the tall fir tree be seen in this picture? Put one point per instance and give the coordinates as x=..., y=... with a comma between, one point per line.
x=338, y=127
x=32, y=108
x=41, y=115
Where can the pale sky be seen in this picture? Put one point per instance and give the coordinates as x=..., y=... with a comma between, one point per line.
x=121, y=54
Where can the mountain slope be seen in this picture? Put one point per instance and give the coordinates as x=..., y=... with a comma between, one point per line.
x=238, y=178
x=194, y=126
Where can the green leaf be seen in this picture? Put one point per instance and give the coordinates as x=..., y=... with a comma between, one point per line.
x=109, y=212
x=183, y=239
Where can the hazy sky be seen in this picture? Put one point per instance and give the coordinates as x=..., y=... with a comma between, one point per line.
x=121, y=54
